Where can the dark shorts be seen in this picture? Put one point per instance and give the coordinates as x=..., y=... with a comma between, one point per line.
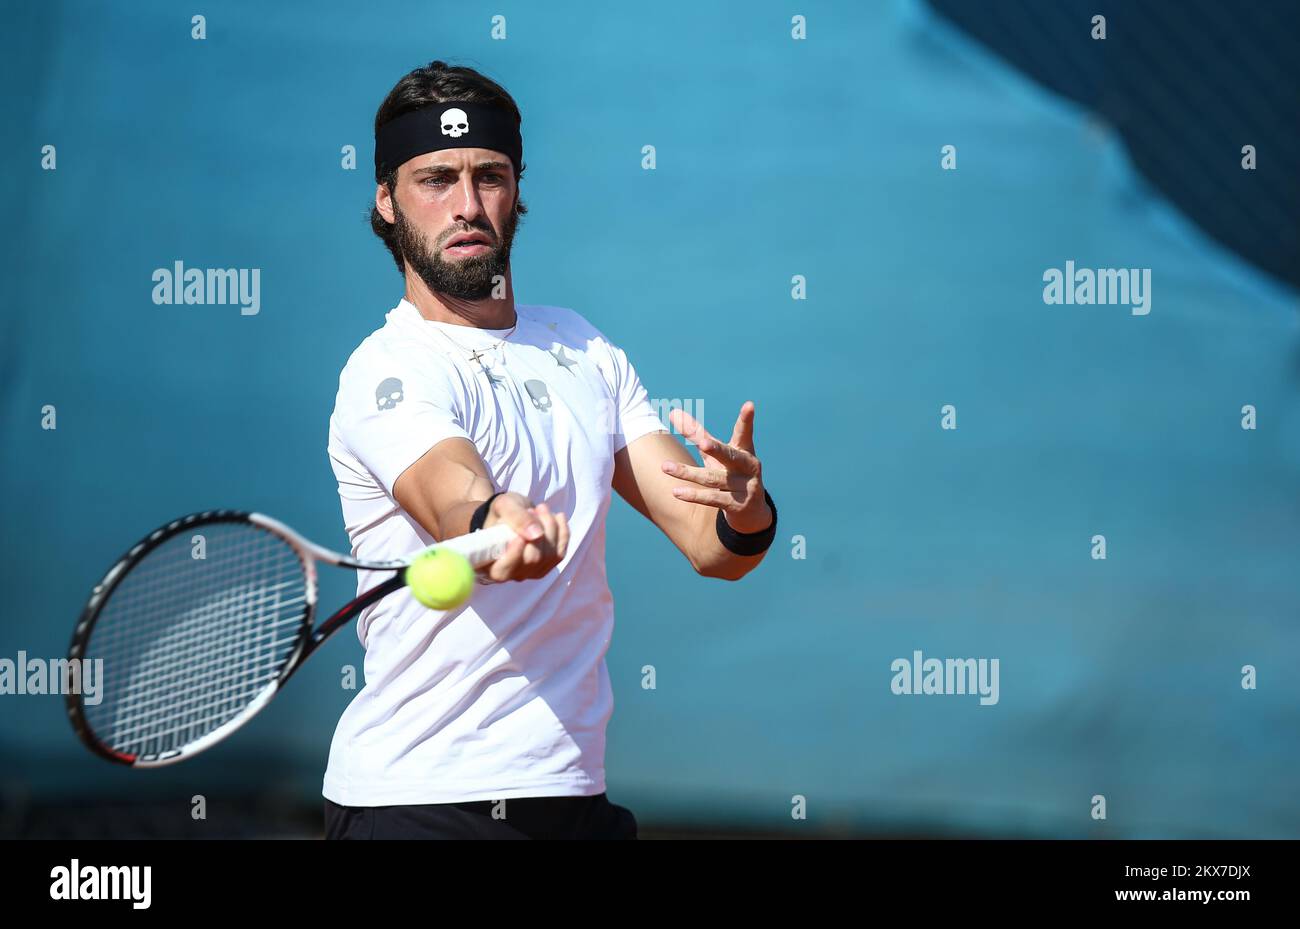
x=524, y=818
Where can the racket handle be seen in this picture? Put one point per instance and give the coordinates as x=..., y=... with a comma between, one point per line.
x=479, y=547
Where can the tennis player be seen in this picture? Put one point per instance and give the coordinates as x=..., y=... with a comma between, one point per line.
x=465, y=410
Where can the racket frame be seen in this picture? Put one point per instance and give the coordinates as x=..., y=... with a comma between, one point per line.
x=479, y=547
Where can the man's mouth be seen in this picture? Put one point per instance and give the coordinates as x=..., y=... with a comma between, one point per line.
x=469, y=245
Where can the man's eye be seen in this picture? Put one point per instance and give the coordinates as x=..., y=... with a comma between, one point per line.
x=488, y=178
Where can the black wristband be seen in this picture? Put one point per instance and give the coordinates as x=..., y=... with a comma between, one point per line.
x=480, y=515
x=747, y=543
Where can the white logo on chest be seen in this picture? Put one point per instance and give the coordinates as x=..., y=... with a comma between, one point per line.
x=539, y=394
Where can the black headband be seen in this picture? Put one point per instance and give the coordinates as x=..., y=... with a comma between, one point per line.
x=447, y=125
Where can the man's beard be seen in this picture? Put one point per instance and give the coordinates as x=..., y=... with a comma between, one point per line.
x=466, y=279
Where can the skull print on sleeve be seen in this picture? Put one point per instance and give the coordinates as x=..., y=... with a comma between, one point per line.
x=390, y=411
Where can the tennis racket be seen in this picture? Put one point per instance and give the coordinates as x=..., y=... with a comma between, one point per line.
x=194, y=647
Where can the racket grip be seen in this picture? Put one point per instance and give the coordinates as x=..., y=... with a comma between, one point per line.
x=482, y=546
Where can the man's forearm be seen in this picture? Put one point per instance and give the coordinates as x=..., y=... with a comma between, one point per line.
x=454, y=520
x=710, y=557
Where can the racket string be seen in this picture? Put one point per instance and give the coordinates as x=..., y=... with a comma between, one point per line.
x=188, y=643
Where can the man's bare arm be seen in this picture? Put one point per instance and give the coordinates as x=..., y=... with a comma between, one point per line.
x=445, y=486
x=658, y=477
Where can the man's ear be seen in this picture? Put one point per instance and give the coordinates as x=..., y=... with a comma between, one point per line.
x=384, y=203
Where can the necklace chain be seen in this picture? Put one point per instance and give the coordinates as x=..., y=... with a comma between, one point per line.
x=476, y=354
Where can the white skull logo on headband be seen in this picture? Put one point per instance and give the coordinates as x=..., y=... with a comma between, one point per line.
x=455, y=123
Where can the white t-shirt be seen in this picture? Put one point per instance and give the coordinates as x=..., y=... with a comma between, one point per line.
x=508, y=695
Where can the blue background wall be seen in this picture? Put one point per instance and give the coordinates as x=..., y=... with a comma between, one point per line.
x=775, y=158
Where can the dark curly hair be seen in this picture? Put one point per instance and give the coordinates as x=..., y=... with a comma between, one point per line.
x=436, y=82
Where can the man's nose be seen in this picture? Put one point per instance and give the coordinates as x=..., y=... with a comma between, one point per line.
x=468, y=204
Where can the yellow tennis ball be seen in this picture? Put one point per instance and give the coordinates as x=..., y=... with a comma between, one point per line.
x=440, y=579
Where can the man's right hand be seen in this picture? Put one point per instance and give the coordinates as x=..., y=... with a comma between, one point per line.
x=449, y=482
x=542, y=538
